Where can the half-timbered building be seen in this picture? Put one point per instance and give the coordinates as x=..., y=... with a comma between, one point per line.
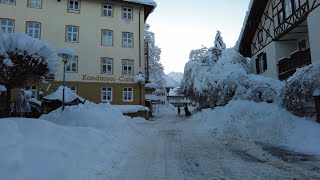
x=281, y=36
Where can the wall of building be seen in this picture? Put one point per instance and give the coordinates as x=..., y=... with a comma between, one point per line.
x=91, y=91
x=314, y=30
x=54, y=17
x=272, y=70
x=285, y=48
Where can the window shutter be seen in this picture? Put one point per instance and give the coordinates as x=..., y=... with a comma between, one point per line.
x=257, y=66
x=265, y=65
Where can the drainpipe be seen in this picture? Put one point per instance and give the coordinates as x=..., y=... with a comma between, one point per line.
x=140, y=37
x=140, y=52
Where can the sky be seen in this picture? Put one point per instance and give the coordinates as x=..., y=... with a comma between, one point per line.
x=183, y=25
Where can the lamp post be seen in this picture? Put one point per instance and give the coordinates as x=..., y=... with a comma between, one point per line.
x=64, y=60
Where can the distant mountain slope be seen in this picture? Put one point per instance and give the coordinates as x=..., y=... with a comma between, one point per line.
x=173, y=79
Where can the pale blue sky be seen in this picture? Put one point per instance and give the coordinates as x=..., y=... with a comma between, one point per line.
x=183, y=25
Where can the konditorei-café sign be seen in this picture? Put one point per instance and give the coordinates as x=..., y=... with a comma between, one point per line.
x=101, y=78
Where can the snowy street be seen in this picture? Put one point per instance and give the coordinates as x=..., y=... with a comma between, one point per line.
x=171, y=148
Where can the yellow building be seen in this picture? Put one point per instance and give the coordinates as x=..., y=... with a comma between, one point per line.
x=107, y=36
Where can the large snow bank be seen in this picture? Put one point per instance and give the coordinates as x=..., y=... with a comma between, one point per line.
x=98, y=116
x=86, y=141
x=37, y=149
x=247, y=122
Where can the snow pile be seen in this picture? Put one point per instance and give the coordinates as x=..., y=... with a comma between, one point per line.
x=98, y=116
x=243, y=123
x=37, y=149
x=25, y=45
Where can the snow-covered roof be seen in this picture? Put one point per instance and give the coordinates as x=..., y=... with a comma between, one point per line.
x=69, y=95
x=145, y=2
x=151, y=85
x=151, y=97
x=67, y=51
x=150, y=5
x=250, y=24
x=174, y=92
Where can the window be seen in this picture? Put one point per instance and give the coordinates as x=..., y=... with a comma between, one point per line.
x=34, y=3
x=106, y=37
x=261, y=63
x=74, y=5
x=33, y=29
x=106, y=65
x=12, y=2
x=127, y=13
x=107, y=10
x=72, y=34
x=7, y=25
x=127, y=40
x=33, y=89
x=127, y=94
x=73, y=89
x=106, y=94
x=72, y=64
x=127, y=67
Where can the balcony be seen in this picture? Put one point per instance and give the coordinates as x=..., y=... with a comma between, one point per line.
x=287, y=66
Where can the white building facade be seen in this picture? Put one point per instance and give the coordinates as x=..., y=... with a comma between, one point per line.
x=281, y=35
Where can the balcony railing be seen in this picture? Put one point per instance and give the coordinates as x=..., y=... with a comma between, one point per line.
x=292, y=20
x=287, y=66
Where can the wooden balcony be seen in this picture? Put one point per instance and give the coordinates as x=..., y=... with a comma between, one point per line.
x=287, y=66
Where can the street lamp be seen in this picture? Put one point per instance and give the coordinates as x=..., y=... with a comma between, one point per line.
x=65, y=54
x=64, y=60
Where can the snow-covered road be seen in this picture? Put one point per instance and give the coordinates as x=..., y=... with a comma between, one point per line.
x=171, y=148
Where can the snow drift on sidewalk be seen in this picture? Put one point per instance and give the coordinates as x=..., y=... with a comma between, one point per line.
x=249, y=122
x=83, y=142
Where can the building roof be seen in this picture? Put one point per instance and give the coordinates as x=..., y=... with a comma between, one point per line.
x=255, y=12
x=150, y=5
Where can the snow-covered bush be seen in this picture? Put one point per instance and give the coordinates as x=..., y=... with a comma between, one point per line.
x=297, y=95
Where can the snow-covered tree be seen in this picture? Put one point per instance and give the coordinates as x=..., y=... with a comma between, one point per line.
x=218, y=42
x=23, y=58
x=226, y=79
x=156, y=73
